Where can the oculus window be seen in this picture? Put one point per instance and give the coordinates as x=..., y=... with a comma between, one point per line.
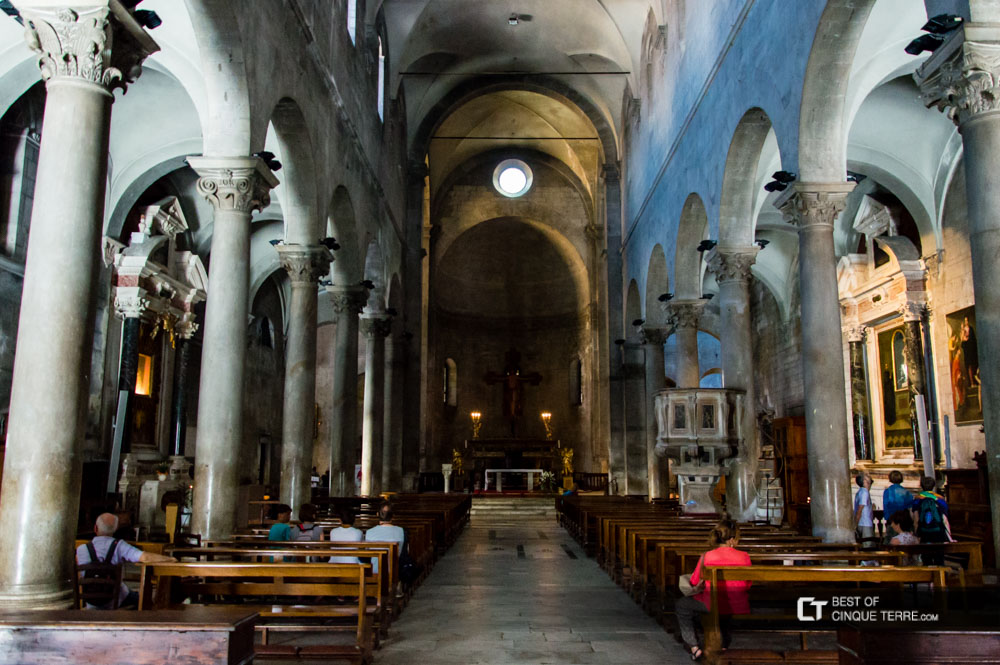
x=512, y=178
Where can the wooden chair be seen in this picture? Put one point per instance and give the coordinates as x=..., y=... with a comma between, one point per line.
x=95, y=582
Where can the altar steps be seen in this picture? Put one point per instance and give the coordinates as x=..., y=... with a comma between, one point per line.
x=512, y=509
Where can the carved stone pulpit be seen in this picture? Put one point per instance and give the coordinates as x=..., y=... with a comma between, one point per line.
x=699, y=429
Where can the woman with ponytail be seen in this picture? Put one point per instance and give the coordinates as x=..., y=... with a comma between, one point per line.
x=732, y=595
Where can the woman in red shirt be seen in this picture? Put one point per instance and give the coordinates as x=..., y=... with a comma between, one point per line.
x=732, y=595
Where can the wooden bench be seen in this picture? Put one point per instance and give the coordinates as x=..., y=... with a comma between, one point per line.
x=786, y=575
x=204, y=635
x=278, y=592
x=917, y=647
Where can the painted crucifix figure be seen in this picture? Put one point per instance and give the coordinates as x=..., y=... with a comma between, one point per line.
x=513, y=387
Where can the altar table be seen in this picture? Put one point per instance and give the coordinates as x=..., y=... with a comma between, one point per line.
x=531, y=477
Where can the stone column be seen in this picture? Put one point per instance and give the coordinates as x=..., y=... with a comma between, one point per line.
x=235, y=186
x=615, y=307
x=684, y=316
x=347, y=304
x=305, y=265
x=413, y=399
x=375, y=328
x=814, y=207
x=85, y=52
x=392, y=426
x=634, y=420
x=656, y=380
x=130, y=305
x=913, y=354
x=860, y=416
x=961, y=78
x=732, y=271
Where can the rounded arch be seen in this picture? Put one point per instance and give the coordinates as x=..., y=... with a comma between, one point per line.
x=692, y=229
x=297, y=190
x=633, y=311
x=657, y=283
x=822, y=123
x=739, y=180
x=545, y=85
x=342, y=225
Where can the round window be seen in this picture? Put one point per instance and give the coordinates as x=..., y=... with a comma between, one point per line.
x=512, y=177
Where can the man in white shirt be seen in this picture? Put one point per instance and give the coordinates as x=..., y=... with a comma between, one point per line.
x=863, y=514
x=385, y=532
x=104, y=528
x=346, y=533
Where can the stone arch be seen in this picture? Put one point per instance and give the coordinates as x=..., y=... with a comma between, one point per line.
x=341, y=223
x=657, y=283
x=822, y=123
x=298, y=185
x=688, y=264
x=227, y=127
x=739, y=181
x=633, y=311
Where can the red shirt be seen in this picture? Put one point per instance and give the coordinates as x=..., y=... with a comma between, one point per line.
x=733, y=594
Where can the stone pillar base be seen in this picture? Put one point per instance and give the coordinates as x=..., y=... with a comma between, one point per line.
x=697, y=490
x=39, y=599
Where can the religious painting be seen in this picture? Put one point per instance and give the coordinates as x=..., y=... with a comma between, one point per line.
x=963, y=366
x=895, y=390
x=680, y=417
x=707, y=416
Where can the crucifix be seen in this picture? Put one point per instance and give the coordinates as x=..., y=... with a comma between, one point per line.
x=513, y=387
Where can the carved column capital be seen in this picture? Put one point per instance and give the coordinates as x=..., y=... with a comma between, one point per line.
x=913, y=311
x=653, y=336
x=962, y=77
x=305, y=264
x=131, y=302
x=348, y=299
x=376, y=326
x=99, y=44
x=185, y=327
x=731, y=265
x=239, y=184
x=684, y=313
x=807, y=204
x=856, y=333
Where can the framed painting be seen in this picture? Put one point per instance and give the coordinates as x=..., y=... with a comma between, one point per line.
x=963, y=366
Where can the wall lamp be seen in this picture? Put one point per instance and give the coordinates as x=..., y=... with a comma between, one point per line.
x=664, y=297
x=936, y=28
x=269, y=160
x=275, y=242
x=762, y=243
x=638, y=322
x=706, y=245
x=368, y=284
x=923, y=43
x=707, y=296
x=619, y=342
x=330, y=243
x=779, y=181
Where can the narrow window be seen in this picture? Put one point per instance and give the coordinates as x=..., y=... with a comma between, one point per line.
x=381, y=80
x=352, y=19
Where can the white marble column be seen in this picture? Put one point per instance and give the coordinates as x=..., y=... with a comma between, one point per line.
x=305, y=265
x=84, y=53
x=961, y=78
x=375, y=328
x=347, y=304
x=814, y=207
x=683, y=316
x=235, y=186
x=392, y=453
x=732, y=271
x=617, y=455
x=656, y=380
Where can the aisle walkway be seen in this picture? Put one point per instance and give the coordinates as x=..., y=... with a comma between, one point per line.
x=522, y=594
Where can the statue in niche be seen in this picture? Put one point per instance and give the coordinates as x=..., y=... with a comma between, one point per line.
x=513, y=387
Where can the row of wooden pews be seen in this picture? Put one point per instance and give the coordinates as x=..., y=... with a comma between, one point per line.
x=645, y=548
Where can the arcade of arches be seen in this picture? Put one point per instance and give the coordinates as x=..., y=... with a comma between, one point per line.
x=293, y=248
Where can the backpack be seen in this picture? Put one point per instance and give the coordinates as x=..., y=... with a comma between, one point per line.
x=101, y=595
x=930, y=526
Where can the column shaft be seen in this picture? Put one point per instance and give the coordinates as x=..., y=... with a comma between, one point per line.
x=656, y=380
x=347, y=303
x=684, y=316
x=372, y=426
x=392, y=458
x=615, y=308
x=636, y=468
x=179, y=426
x=860, y=418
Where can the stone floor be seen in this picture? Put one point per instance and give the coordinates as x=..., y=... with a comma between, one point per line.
x=524, y=592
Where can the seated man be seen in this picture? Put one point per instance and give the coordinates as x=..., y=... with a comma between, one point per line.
x=385, y=532
x=105, y=548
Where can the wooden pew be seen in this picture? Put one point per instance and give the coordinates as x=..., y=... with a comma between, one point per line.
x=286, y=587
x=812, y=575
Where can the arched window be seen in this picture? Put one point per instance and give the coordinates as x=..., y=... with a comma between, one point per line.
x=352, y=19
x=381, y=80
x=450, y=392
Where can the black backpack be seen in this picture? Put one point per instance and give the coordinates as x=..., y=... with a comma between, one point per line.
x=101, y=580
x=931, y=526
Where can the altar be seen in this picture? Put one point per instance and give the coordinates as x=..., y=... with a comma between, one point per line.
x=490, y=455
x=498, y=485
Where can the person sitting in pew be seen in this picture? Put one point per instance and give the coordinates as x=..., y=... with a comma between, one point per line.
x=732, y=595
x=346, y=533
x=281, y=530
x=105, y=548
x=901, y=524
x=385, y=532
x=306, y=529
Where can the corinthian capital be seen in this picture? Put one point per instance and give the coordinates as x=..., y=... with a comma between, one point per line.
x=131, y=302
x=962, y=78
x=811, y=204
x=305, y=264
x=100, y=43
x=239, y=184
x=684, y=313
x=653, y=336
x=730, y=265
x=376, y=326
x=348, y=299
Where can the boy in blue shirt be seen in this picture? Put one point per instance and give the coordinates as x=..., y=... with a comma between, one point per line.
x=281, y=530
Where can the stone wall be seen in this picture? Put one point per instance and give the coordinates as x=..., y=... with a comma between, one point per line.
x=777, y=354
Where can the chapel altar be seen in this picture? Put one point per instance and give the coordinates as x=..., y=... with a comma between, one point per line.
x=508, y=453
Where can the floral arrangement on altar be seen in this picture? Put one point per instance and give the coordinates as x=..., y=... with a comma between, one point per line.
x=547, y=481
